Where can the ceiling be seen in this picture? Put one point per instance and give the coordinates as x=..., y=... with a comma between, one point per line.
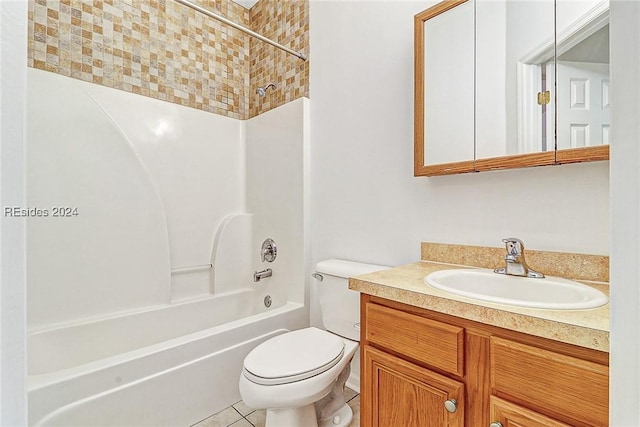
x=246, y=3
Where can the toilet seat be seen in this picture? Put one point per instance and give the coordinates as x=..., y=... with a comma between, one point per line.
x=293, y=356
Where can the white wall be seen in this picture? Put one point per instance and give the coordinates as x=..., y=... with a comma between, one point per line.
x=366, y=204
x=13, y=60
x=625, y=213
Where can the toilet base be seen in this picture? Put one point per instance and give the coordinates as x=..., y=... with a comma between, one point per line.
x=292, y=417
x=342, y=418
x=305, y=416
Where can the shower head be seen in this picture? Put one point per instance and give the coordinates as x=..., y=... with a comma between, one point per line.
x=262, y=91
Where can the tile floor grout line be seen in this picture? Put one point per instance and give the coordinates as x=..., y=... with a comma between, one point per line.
x=196, y=423
x=237, y=410
x=239, y=413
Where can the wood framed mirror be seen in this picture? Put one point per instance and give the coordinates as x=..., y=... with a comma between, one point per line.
x=486, y=96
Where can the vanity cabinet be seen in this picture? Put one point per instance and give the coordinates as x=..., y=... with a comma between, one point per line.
x=423, y=368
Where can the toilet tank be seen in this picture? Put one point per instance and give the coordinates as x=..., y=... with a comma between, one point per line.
x=339, y=305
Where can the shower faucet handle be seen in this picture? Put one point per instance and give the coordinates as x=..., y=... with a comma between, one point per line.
x=269, y=250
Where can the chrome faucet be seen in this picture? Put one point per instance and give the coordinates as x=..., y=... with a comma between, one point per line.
x=515, y=263
x=258, y=275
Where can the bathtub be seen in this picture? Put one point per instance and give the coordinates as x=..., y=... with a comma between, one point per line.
x=167, y=366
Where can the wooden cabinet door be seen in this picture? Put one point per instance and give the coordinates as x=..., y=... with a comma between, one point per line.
x=398, y=393
x=566, y=388
x=511, y=415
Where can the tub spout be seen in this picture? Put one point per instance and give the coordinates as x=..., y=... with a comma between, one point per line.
x=257, y=275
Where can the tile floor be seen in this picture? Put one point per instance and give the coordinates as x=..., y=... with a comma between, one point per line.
x=239, y=415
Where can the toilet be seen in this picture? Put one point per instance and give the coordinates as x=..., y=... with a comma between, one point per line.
x=299, y=376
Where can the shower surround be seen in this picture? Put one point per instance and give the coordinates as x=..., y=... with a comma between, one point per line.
x=164, y=50
x=141, y=302
x=141, y=305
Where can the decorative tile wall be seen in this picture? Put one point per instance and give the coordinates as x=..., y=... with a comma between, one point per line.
x=286, y=22
x=157, y=48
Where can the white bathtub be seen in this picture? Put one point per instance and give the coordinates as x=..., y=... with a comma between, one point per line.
x=169, y=366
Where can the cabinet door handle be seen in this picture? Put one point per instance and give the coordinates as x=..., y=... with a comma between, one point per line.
x=451, y=405
x=496, y=424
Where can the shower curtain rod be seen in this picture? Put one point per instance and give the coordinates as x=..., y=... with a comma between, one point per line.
x=241, y=28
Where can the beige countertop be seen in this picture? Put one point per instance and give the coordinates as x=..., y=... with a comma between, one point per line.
x=404, y=284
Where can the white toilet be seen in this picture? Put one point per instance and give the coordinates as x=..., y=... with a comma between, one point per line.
x=299, y=376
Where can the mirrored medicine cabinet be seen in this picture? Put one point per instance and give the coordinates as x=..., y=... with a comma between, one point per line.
x=510, y=83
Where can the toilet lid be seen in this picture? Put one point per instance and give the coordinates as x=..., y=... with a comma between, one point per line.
x=293, y=356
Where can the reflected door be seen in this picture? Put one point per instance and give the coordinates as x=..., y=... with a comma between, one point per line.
x=583, y=108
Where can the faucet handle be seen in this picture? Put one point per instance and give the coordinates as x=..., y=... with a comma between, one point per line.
x=269, y=250
x=516, y=264
x=514, y=246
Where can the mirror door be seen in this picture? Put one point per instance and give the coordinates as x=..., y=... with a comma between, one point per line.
x=444, y=89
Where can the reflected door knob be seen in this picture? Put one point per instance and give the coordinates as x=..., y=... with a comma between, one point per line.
x=496, y=424
x=451, y=405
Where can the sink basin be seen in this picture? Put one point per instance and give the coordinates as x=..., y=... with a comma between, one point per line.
x=548, y=293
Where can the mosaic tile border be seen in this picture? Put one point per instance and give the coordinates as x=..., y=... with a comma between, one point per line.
x=164, y=50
